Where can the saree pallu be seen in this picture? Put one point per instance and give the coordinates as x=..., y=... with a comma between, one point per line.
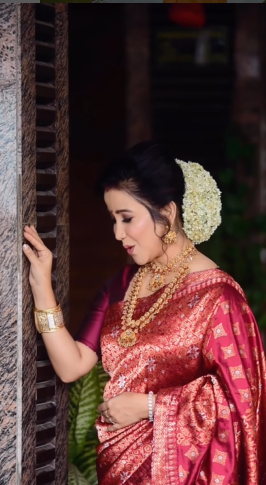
x=202, y=356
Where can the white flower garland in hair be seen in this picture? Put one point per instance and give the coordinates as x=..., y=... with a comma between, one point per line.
x=201, y=203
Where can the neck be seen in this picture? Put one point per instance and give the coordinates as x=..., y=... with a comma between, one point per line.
x=172, y=250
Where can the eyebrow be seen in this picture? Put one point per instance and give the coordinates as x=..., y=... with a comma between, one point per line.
x=121, y=210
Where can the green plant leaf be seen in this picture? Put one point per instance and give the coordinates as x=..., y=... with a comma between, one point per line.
x=85, y=396
x=75, y=477
x=84, y=399
x=86, y=461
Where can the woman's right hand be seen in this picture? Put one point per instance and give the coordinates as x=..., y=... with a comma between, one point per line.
x=70, y=359
x=40, y=258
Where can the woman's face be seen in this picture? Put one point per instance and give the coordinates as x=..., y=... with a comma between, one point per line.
x=134, y=226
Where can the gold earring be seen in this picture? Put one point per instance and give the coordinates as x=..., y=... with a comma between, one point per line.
x=170, y=236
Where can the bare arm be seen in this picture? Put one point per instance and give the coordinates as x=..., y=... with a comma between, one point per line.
x=70, y=359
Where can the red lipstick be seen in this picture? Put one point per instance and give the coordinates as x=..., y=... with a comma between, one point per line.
x=129, y=249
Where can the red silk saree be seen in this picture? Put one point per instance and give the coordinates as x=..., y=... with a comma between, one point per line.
x=203, y=357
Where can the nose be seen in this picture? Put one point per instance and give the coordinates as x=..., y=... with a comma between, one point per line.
x=119, y=232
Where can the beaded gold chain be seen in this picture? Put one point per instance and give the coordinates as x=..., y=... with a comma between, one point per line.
x=131, y=327
x=160, y=271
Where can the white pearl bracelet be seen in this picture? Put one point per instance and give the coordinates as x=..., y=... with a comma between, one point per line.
x=150, y=406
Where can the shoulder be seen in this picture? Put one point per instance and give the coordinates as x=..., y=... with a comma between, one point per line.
x=201, y=263
x=233, y=314
x=231, y=293
x=214, y=281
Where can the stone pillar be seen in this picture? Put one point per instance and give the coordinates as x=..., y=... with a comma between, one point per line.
x=15, y=138
x=24, y=442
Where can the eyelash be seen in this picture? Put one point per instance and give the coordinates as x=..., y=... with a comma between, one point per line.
x=127, y=220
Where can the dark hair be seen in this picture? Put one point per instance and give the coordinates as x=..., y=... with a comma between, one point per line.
x=149, y=173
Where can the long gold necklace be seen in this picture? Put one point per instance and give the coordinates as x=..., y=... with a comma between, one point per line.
x=131, y=327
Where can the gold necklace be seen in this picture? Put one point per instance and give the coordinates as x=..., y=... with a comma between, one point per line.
x=160, y=271
x=131, y=327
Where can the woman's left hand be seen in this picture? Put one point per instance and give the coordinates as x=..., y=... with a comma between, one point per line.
x=125, y=409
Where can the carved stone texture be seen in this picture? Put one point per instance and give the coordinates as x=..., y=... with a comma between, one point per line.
x=17, y=180
x=8, y=238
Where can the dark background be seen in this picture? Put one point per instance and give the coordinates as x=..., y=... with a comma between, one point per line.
x=192, y=109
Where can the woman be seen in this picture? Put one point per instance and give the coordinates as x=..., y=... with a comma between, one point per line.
x=186, y=399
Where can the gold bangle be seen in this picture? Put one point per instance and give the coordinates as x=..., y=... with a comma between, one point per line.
x=50, y=320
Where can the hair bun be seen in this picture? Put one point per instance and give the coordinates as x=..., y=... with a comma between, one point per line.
x=201, y=207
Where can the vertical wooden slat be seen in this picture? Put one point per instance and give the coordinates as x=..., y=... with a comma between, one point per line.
x=46, y=207
x=61, y=87
x=52, y=224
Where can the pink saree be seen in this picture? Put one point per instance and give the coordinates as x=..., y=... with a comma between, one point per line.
x=203, y=357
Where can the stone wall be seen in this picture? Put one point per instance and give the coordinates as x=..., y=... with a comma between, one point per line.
x=18, y=344
x=15, y=138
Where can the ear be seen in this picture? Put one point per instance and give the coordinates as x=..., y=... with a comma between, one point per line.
x=170, y=211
